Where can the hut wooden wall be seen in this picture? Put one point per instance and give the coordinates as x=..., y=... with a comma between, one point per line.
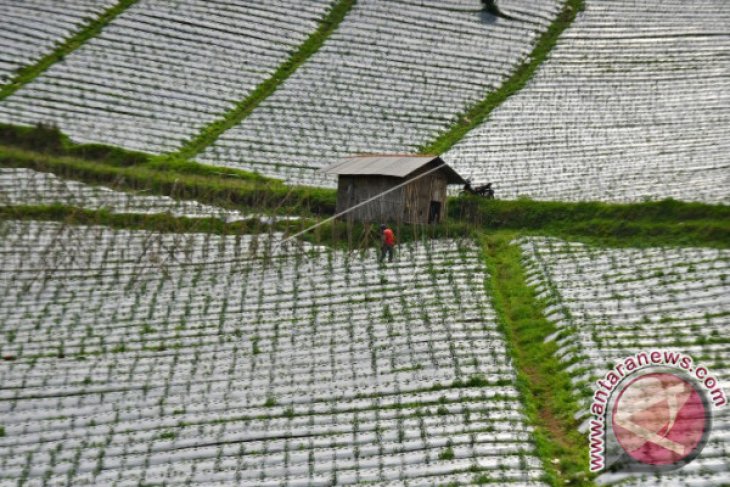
x=420, y=193
x=409, y=204
x=352, y=190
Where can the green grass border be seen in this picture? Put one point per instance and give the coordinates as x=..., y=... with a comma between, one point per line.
x=156, y=222
x=243, y=108
x=651, y=223
x=663, y=223
x=657, y=223
x=182, y=180
x=544, y=386
x=479, y=112
x=30, y=72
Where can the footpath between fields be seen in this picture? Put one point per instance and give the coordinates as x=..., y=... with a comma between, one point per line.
x=544, y=385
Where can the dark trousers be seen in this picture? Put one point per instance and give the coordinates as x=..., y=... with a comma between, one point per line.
x=386, y=249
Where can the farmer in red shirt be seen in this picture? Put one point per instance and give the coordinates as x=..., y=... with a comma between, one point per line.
x=388, y=239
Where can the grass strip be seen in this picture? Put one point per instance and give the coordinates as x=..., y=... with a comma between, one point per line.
x=153, y=222
x=663, y=223
x=181, y=180
x=527, y=213
x=49, y=140
x=212, y=131
x=479, y=112
x=659, y=223
x=640, y=234
x=28, y=73
x=544, y=385
x=667, y=222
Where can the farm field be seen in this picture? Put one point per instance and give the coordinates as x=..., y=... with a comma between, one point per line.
x=28, y=30
x=612, y=303
x=630, y=105
x=161, y=71
x=385, y=81
x=21, y=186
x=169, y=316
x=146, y=358
x=147, y=83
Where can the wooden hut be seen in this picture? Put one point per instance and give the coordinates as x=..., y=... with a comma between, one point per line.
x=414, y=187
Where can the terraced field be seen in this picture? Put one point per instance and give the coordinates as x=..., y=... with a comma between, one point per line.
x=609, y=304
x=147, y=358
x=154, y=78
x=29, y=30
x=386, y=81
x=20, y=186
x=243, y=356
x=161, y=71
x=632, y=104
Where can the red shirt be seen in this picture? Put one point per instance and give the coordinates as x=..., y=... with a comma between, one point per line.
x=388, y=237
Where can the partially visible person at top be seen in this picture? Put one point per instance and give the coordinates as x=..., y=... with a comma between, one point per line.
x=388, y=242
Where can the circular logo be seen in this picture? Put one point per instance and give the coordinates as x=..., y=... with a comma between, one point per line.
x=661, y=419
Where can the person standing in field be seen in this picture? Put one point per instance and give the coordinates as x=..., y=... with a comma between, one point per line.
x=388, y=242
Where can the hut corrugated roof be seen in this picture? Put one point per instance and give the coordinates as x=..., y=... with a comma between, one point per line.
x=399, y=166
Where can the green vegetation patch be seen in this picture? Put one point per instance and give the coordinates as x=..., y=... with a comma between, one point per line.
x=161, y=222
x=46, y=139
x=180, y=179
x=544, y=386
x=666, y=222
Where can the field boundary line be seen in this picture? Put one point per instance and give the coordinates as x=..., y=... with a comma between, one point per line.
x=181, y=181
x=544, y=386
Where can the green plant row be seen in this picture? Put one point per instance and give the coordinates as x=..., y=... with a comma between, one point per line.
x=338, y=234
x=160, y=222
x=543, y=384
x=242, y=109
x=181, y=180
x=28, y=73
x=479, y=112
x=529, y=213
x=666, y=222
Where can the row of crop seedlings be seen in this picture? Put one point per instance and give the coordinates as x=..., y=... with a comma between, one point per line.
x=20, y=186
x=136, y=357
x=162, y=70
x=393, y=76
x=31, y=29
x=615, y=115
x=609, y=304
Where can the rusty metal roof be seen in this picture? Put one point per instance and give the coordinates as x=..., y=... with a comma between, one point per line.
x=399, y=166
